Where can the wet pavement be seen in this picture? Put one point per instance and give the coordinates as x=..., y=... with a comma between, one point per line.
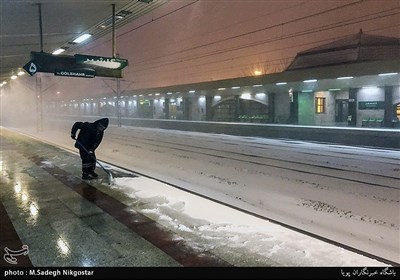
x=51, y=218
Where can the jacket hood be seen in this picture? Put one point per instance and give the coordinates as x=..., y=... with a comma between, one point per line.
x=104, y=122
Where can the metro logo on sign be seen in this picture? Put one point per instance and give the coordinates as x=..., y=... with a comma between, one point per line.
x=31, y=68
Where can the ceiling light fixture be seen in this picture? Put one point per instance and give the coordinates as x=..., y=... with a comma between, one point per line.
x=82, y=38
x=388, y=74
x=345, y=78
x=56, y=52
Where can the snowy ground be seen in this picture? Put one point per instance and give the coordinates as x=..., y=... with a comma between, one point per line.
x=347, y=194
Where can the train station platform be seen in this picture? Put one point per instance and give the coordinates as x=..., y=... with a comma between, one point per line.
x=50, y=218
x=66, y=221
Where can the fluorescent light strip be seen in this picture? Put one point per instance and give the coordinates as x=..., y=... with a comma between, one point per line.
x=58, y=51
x=82, y=38
x=388, y=74
x=281, y=83
x=310, y=81
x=345, y=78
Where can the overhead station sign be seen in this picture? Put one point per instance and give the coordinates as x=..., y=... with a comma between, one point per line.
x=84, y=66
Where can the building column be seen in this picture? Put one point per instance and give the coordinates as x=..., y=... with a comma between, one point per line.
x=294, y=108
x=352, y=116
x=98, y=104
x=187, y=103
x=271, y=107
x=388, y=110
x=152, y=108
x=209, y=108
x=139, y=109
x=237, y=108
x=166, y=108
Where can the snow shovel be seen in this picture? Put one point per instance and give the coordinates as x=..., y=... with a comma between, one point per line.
x=110, y=177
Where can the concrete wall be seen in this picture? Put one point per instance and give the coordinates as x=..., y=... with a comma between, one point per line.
x=396, y=95
x=327, y=118
x=282, y=108
x=370, y=94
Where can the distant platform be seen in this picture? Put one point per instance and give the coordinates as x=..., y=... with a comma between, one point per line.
x=354, y=136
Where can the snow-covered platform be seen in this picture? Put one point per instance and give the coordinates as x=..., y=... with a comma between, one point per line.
x=54, y=219
x=64, y=221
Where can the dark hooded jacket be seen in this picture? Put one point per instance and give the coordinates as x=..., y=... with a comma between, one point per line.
x=90, y=134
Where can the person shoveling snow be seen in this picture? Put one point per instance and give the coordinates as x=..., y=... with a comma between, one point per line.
x=89, y=138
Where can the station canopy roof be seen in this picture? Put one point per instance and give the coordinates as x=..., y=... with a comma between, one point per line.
x=360, y=55
x=359, y=47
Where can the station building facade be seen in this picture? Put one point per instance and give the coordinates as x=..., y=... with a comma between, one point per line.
x=353, y=82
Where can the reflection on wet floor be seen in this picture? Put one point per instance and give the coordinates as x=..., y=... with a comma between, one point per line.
x=64, y=221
